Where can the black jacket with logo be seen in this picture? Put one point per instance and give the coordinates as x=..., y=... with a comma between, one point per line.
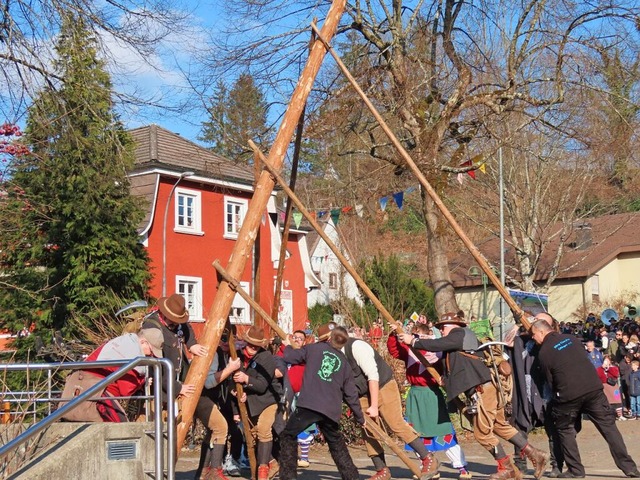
x=567, y=367
x=327, y=380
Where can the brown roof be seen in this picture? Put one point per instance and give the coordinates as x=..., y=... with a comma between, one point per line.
x=158, y=147
x=592, y=244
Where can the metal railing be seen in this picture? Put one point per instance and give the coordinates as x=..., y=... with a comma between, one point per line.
x=158, y=365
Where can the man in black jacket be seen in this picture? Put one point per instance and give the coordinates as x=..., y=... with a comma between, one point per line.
x=261, y=393
x=327, y=380
x=466, y=371
x=172, y=319
x=577, y=390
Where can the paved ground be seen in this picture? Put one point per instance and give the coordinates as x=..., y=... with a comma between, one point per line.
x=594, y=450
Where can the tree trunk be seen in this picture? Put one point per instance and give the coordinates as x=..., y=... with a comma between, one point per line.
x=437, y=260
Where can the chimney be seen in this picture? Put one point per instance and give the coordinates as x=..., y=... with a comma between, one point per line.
x=583, y=236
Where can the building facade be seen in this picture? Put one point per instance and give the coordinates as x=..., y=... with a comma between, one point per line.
x=195, y=203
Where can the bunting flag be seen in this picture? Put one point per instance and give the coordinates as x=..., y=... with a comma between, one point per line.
x=471, y=173
x=281, y=216
x=474, y=161
x=399, y=199
x=460, y=178
x=335, y=215
x=359, y=209
x=297, y=218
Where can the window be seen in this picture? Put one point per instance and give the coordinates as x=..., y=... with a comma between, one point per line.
x=235, y=210
x=191, y=289
x=239, y=313
x=333, y=280
x=188, y=211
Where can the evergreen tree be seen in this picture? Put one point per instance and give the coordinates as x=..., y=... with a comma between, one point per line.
x=237, y=115
x=74, y=246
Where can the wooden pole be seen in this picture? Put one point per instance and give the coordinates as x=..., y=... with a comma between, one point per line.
x=484, y=265
x=377, y=432
x=287, y=218
x=235, y=285
x=343, y=260
x=219, y=311
x=244, y=415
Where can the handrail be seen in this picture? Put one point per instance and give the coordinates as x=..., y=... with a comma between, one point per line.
x=126, y=366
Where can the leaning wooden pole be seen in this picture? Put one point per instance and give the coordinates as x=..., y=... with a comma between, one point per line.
x=287, y=218
x=241, y=253
x=376, y=431
x=343, y=260
x=244, y=414
x=235, y=285
x=484, y=265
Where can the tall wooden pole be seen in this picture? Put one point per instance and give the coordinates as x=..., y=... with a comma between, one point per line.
x=287, y=219
x=244, y=414
x=219, y=311
x=345, y=263
x=475, y=253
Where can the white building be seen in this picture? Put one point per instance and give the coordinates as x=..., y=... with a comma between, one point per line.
x=336, y=282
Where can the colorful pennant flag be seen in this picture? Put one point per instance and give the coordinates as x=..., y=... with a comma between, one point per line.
x=297, y=218
x=399, y=199
x=383, y=203
x=335, y=215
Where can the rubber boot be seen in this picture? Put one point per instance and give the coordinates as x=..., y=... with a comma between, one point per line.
x=537, y=457
x=506, y=470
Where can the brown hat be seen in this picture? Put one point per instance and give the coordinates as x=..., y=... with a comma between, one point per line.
x=255, y=336
x=324, y=331
x=173, y=308
x=155, y=338
x=451, y=318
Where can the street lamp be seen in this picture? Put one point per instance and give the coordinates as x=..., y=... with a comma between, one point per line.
x=164, y=231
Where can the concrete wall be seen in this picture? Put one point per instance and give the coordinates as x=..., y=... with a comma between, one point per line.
x=79, y=451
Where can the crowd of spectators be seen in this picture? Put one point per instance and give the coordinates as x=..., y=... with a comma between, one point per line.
x=614, y=351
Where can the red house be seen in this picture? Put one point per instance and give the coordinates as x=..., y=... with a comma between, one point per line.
x=195, y=202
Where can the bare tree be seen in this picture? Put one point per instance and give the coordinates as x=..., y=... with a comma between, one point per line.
x=442, y=70
x=28, y=30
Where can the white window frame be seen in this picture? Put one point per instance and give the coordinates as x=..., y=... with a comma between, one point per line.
x=239, y=314
x=243, y=205
x=196, y=225
x=333, y=280
x=192, y=301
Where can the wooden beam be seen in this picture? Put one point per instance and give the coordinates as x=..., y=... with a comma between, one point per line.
x=475, y=253
x=241, y=253
x=235, y=285
x=343, y=260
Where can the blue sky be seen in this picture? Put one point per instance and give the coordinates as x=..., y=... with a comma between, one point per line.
x=165, y=79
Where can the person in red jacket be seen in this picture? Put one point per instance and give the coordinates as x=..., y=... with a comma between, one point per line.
x=102, y=408
x=609, y=375
x=426, y=407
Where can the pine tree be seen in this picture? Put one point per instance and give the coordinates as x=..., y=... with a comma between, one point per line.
x=74, y=248
x=237, y=115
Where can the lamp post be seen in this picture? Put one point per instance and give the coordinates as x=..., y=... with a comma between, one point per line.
x=164, y=231
x=474, y=272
